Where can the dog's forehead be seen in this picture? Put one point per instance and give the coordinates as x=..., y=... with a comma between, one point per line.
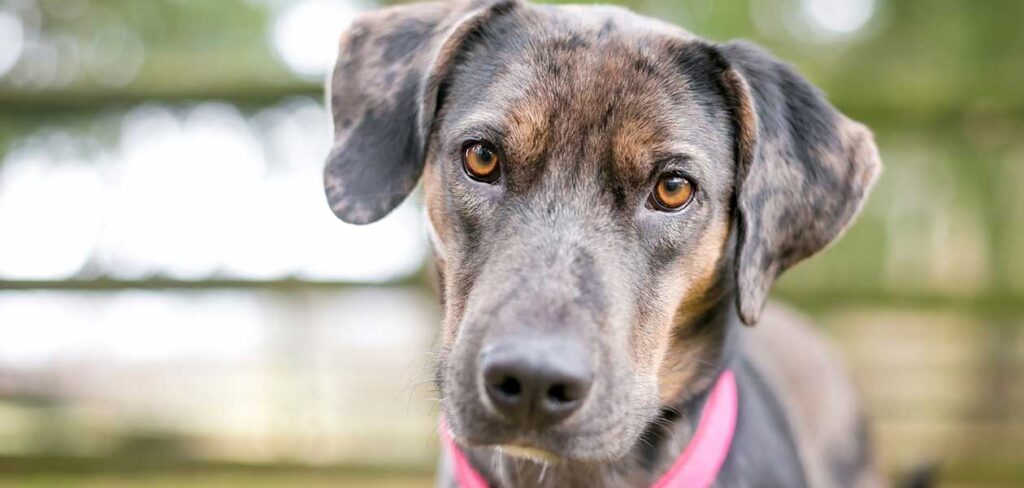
x=578, y=52
x=613, y=19
x=600, y=81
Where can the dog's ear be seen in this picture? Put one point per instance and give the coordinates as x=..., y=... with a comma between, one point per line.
x=803, y=169
x=383, y=95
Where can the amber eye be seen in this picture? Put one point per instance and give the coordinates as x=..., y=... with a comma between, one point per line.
x=481, y=162
x=672, y=192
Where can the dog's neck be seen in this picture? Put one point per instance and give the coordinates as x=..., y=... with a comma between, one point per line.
x=665, y=437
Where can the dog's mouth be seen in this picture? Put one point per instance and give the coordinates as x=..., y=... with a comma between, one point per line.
x=530, y=453
x=537, y=449
x=586, y=442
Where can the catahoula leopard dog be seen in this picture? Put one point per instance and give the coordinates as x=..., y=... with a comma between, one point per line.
x=610, y=200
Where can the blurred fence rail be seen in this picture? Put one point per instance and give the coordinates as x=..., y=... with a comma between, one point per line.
x=989, y=305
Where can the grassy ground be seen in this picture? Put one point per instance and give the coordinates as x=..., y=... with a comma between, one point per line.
x=202, y=476
x=126, y=472
x=957, y=479
x=54, y=472
x=216, y=480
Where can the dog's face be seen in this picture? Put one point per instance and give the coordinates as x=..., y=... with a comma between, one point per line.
x=607, y=206
x=598, y=184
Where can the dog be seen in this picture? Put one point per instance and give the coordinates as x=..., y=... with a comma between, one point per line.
x=610, y=199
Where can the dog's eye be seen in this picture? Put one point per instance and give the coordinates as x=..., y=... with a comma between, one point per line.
x=481, y=162
x=672, y=193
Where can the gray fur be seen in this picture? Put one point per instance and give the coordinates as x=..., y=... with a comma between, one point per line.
x=586, y=107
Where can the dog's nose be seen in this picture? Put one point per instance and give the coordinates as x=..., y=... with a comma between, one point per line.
x=536, y=382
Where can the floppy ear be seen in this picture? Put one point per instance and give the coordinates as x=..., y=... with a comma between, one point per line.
x=803, y=170
x=383, y=96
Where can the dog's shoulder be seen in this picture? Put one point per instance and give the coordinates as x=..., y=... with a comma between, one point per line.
x=820, y=399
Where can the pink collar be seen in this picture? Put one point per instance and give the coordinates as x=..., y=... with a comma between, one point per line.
x=697, y=466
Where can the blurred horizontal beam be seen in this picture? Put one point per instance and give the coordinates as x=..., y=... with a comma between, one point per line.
x=26, y=103
x=113, y=284
x=986, y=304
x=70, y=101
x=816, y=300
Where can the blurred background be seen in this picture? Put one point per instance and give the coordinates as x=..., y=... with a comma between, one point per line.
x=178, y=306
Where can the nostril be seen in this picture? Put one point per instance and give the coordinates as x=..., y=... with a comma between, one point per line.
x=565, y=396
x=505, y=387
x=559, y=393
x=510, y=387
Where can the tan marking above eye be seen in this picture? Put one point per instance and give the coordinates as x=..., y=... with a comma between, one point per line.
x=481, y=162
x=672, y=192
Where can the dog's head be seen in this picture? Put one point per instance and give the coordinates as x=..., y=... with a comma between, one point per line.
x=598, y=184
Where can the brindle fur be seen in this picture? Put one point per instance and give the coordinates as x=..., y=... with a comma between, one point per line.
x=587, y=106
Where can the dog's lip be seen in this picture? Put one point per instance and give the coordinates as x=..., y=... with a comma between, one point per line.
x=527, y=448
x=516, y=448
x=525, y=451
